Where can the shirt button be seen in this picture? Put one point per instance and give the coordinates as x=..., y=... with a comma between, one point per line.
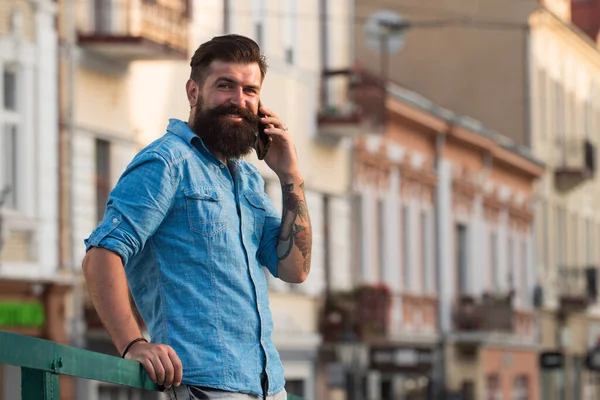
x=258, y=306
x=221, y=166
x=115, y=220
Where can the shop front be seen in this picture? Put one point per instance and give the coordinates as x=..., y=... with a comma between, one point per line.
x=403, y=370
x=36, y=309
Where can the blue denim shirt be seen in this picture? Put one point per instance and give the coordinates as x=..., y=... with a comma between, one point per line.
x=193, y=238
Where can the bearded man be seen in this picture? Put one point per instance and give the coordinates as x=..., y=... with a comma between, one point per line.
x=188, y=228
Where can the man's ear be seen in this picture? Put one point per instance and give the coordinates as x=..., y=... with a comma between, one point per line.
x=193, y=92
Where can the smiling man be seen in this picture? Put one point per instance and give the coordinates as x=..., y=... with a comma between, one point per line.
x=188, y=227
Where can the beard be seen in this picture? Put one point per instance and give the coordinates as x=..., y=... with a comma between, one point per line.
x=220, y=134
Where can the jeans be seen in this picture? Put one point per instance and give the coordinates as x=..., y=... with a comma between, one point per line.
x=185, y=392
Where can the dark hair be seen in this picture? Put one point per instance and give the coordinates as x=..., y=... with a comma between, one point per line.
x=228, y=48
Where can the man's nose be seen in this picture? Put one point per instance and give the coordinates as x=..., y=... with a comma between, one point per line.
x=238, y=98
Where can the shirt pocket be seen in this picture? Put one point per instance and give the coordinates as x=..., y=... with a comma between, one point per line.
x=205, y=211
x=258, y=210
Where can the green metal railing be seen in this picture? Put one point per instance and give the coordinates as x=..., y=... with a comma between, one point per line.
x=42, y=361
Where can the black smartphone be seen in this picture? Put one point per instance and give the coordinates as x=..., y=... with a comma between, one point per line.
x=262, y=141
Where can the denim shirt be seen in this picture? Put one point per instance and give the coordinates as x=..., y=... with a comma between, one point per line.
x=193, y=238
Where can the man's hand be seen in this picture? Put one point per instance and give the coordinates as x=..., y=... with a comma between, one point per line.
x=281, y=157
x=160, y=362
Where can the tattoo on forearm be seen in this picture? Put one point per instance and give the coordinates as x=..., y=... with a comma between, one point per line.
x=295, y=226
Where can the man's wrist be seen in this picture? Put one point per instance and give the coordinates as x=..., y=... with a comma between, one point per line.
x=290, y=177
x=123, y=345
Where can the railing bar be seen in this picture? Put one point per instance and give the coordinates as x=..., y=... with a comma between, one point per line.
x=39, y=385
x=44, y=355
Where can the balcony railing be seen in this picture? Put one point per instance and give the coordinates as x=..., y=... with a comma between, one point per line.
x=578, y=164
x=577, y=287
x=135, y=30
x=361, y=314
x=42, y=362
x=491, y=313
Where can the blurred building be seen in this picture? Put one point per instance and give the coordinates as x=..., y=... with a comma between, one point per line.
x=565, y=93
x=444, y=230
x=33, y=282
x=527, y=69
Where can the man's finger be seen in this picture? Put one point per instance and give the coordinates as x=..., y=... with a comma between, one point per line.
x=273, y=121
x=149, y=368
x=168, y=368
x=177, y=367
x=268, y=112
x=158, y=368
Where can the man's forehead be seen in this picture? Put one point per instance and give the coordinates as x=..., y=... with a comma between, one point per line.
x=244, y=73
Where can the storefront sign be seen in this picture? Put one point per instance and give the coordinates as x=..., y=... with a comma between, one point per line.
x=21, y=315
x=552, y=360
x=401, y=358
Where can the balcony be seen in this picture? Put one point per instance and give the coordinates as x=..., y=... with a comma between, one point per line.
x=478, y=319
x=136, y=29
x=362, y=314
x=353, y=103
x=493, y=313
x=578, y=165
x=577, y=288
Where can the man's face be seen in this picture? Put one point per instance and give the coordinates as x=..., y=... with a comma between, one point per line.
x=225, y=116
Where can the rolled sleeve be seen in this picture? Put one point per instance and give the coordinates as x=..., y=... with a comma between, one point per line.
x=267, y=252
x=136, y=207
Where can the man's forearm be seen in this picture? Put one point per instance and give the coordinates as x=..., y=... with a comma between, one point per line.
x=295, y=236
x=108, y=289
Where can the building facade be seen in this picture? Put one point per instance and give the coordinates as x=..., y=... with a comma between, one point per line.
x=33, y=283
x=444, y=230
x=565, y=77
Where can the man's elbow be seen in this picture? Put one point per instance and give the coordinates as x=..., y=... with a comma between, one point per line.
x=292, y=276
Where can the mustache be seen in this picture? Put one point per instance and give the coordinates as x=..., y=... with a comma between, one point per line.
x=230, y=109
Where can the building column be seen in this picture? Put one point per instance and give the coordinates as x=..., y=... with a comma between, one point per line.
x=445, y=246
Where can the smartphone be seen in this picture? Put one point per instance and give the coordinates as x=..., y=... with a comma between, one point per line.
x=262, y=141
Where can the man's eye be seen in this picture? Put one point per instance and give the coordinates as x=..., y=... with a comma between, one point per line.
x=225, y=86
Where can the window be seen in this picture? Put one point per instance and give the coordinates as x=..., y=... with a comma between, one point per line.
x=381, y=238
x=589, y=257
x=461, y=258
x=521, y=388
x=9, y=140
x=587, y=118
x=428, y=285
x=10, y=90
x=102, y=176
x=493, y=389
x=542, y=98
x=559, y=111
x=288, y=28
x=406, y=247
x=560, y=237
x=510, y=258
x=9, y=189
x=259, y=12
x=524, y=274
x=494, y=261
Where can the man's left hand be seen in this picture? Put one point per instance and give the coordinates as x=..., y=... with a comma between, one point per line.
x=281, y=156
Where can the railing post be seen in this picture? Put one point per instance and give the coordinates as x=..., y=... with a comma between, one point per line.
x=39, y=385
